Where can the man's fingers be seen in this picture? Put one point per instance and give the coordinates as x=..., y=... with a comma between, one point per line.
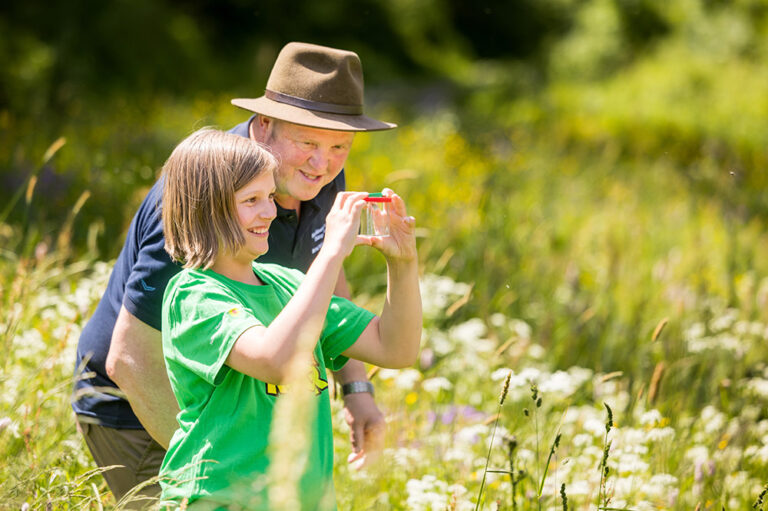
x=357, y=437
x=357, y=460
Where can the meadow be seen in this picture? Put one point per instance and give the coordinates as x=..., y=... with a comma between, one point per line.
x=593, y=276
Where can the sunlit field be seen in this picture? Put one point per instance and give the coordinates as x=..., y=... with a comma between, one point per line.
x=594, y=278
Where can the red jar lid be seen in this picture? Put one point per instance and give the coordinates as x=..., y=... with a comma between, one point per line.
x=377, y=197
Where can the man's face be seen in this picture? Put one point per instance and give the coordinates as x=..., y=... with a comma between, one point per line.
x=310, y=158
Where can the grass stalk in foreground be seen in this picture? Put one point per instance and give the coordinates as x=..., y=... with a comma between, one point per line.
x=602, y=493
x=502, y=397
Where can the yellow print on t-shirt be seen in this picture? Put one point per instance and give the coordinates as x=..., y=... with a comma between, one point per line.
x=316, y=378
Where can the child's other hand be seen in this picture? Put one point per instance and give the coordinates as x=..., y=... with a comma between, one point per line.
x=401, y=242
x=343, y=222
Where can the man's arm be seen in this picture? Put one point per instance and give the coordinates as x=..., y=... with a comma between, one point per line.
x=365, y=420
x=135, y=363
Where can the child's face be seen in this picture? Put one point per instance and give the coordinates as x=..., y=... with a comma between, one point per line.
x=255, y=212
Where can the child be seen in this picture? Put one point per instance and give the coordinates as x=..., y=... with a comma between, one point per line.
x=231, y=325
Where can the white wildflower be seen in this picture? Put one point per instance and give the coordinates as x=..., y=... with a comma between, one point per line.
x=660, y=434
x=564, y=383
x=758, y=386
x=651, y=418
x=756, y=328
x=623, y=486
x=581, y=440
x=695, y=331
x=520, y=328
x=536, y=351
x=759, y=453
x=404, y=457
x=439, y=342
x=737, y=480
x=579, y=488
x=29, y=344
x=697, y=454
x=712, y=419
x=404, y=379
x=525, y=455
x=498, y=319
x=660, y=485
x=594, y=426
x=426, y=494
x=724, y=321
x=10, y=427
x=628, y=462
x=470, y=331
x=731, y=343
x=435, y=385
x=471, y=434
x=498, y=438
x=438, y=292
x=501, y=374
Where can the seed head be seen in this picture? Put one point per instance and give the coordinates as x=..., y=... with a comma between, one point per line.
x=563, y=496
x=505, y=388
x=609, y=422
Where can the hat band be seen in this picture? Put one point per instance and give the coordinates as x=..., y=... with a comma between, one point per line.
x=318, y=106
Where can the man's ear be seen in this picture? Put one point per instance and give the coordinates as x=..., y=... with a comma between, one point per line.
x=260, y=128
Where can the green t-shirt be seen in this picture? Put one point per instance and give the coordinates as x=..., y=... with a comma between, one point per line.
x=225, y=415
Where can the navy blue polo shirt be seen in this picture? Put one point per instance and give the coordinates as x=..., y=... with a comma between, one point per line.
x=141, y=274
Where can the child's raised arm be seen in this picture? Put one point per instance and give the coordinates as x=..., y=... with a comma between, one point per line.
x=265, y=352
x=393, y=339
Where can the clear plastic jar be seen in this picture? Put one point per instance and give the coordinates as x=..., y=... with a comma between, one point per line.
x=374, y=220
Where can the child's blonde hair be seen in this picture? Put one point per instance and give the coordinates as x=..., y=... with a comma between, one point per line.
x=201, y=177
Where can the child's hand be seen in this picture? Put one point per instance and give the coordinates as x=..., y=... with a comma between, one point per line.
x=343, y=222
x=401, y=242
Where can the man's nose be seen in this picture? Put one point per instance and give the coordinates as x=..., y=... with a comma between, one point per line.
x=319, y=160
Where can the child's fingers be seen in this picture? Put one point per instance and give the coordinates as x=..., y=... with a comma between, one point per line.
x=354, y=199
x=344, y=200
x=364, y=240
x=398, y=204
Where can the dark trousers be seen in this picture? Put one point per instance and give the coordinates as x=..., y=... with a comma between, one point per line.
x=138, y=454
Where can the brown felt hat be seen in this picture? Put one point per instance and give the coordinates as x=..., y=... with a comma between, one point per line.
x=315, y=86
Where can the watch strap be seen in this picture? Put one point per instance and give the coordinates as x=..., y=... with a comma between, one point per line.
x=355, y=387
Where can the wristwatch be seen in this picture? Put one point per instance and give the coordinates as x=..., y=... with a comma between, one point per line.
x=355, y=387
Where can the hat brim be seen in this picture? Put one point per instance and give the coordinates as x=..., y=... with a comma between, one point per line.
x=311, y=118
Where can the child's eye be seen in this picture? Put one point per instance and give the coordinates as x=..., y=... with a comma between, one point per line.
x=272, y=197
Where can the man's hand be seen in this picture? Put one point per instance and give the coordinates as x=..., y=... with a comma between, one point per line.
x=366, y=429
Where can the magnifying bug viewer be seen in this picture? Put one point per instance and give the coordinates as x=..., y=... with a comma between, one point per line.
x=374, y=220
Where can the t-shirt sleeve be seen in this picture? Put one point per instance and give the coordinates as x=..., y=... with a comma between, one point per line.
x=344, y=323
x=204, y=321
x=153, y=268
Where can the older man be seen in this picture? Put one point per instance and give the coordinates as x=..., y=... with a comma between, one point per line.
x=311, y=109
